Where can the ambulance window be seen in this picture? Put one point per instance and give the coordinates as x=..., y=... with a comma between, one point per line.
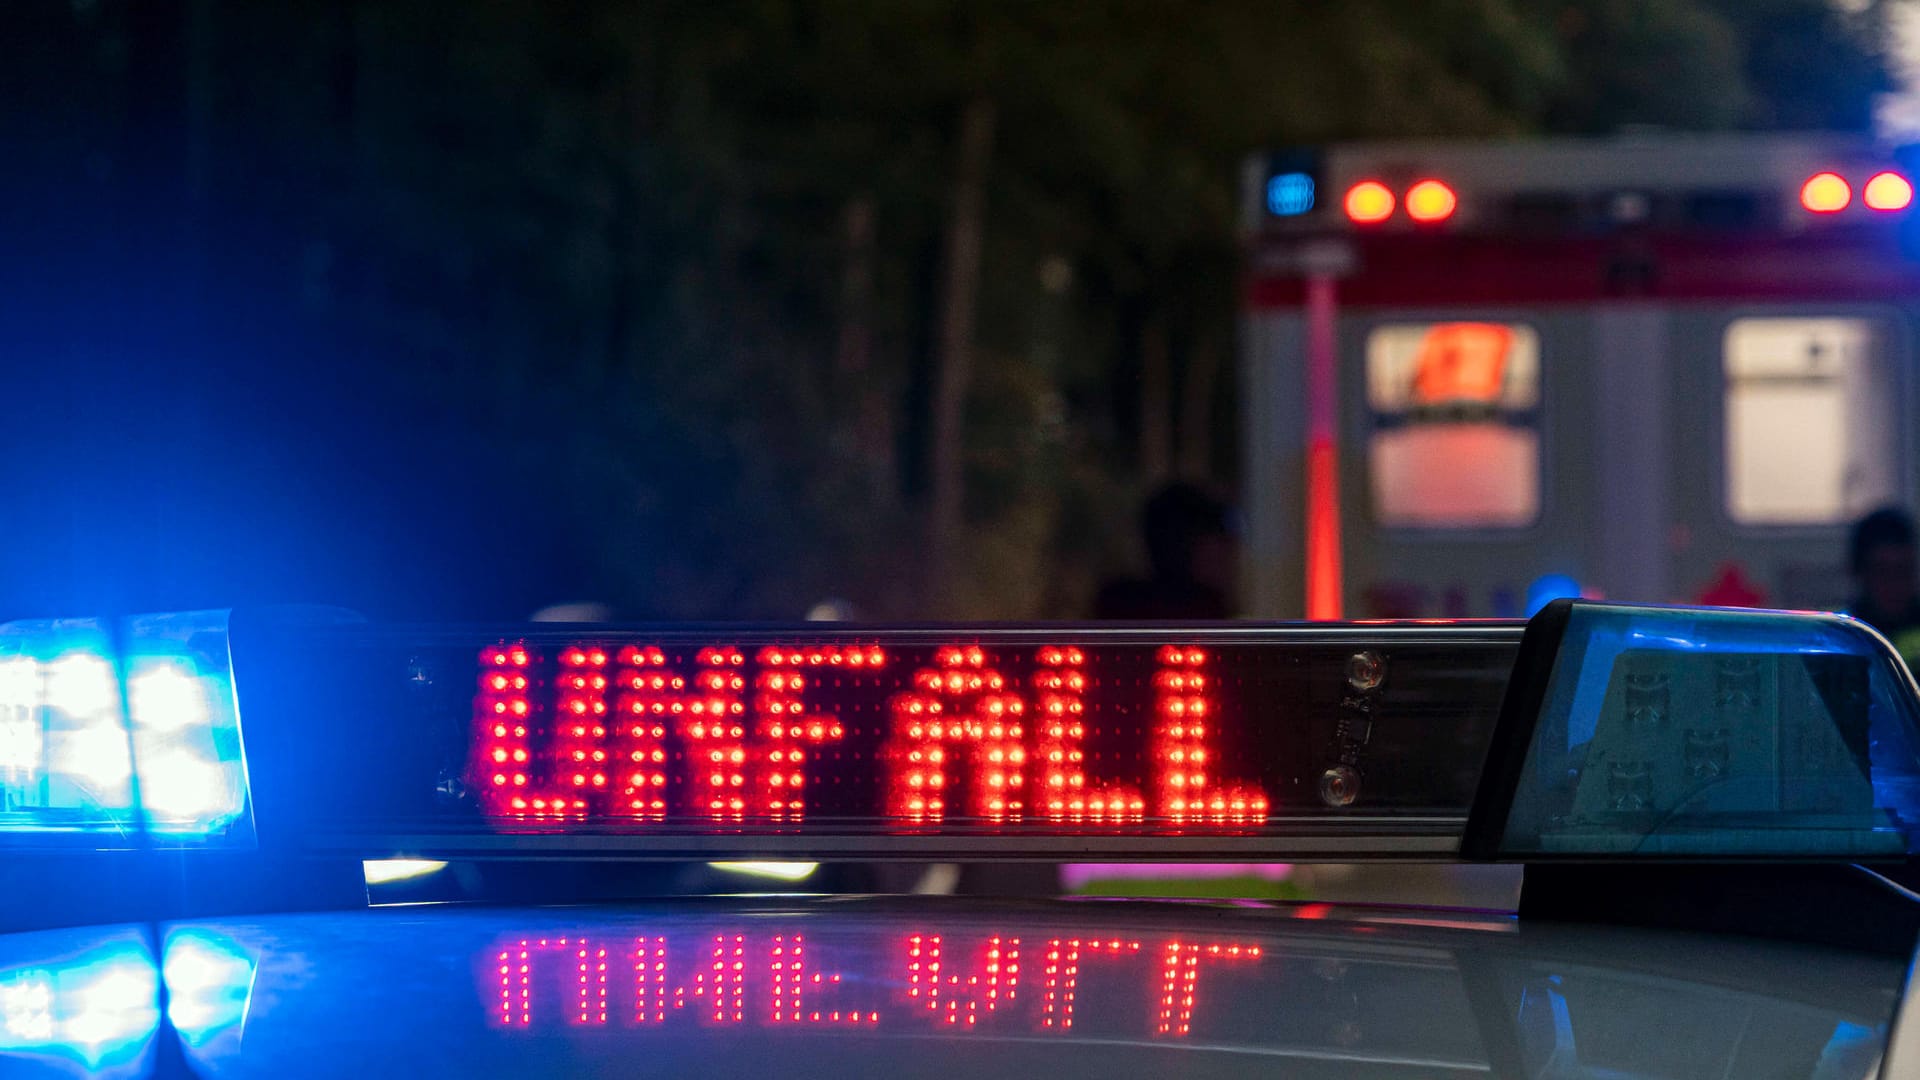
x=1811, y=421
x=1455, y=441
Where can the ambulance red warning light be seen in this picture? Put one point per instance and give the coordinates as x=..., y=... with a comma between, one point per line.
x=1431, y=201
x=1825, y=193
x=1887, y=191
x=1369, y=202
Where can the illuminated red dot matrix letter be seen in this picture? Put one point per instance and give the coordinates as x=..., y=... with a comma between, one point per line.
x=1059, y=720
x=650, y=980
x=649, y=704
x=959, y=710
x=1180, y=980
x=1184, y=723
x=580, y=752
x=785, y=732
x=959, y=997
x=1060, y=975
x=502, y=766
x=714, y=726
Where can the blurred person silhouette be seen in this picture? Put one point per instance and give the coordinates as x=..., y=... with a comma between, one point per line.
x=1192, y=555
x=1881, y=555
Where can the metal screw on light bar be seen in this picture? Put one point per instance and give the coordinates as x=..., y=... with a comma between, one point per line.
x=1366, y=671
x=1340, y=785
x=418, y=673
x=451, y=788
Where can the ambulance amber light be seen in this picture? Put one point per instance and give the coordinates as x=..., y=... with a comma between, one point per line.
x=1701, y=733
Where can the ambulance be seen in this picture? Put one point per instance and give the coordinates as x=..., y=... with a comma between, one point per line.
x=1654, y=367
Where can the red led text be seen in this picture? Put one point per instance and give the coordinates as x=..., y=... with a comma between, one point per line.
x=726, y=734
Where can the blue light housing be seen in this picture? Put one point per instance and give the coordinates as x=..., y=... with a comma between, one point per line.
x=1290, y=194
x=1675, y=732
x=70, y=768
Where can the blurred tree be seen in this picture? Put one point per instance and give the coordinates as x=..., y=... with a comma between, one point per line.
x=1813, y=65
x=1781, y=64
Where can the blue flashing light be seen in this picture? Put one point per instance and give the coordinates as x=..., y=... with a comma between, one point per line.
x=1290, y=194
x=1718, y=733
x=209, y=985
x=168, y=695
x=1547, y=588
x=67, y=765
x=98, y=1008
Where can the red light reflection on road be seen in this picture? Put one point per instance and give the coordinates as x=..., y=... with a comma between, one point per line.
x=592, y=967
x=650, y=980
x=1181, y=979
x=788, y=967
x=962, y=996
x=725, y=981
x=782, y=978
x=1062, y=983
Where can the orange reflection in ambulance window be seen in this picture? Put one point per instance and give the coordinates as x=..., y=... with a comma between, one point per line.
x=1462, y=362
x=1455, y=440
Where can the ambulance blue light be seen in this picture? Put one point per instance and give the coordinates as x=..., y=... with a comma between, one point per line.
x=68, y=765
x=1290, y=194
x=1702, y=733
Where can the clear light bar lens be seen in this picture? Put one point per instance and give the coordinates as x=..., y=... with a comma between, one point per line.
x=1703, y=733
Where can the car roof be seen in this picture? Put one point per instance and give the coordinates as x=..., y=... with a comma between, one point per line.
x=949, y=987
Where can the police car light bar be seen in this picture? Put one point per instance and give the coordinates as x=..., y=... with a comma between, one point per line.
x=919, y=743
x=1605, y=732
